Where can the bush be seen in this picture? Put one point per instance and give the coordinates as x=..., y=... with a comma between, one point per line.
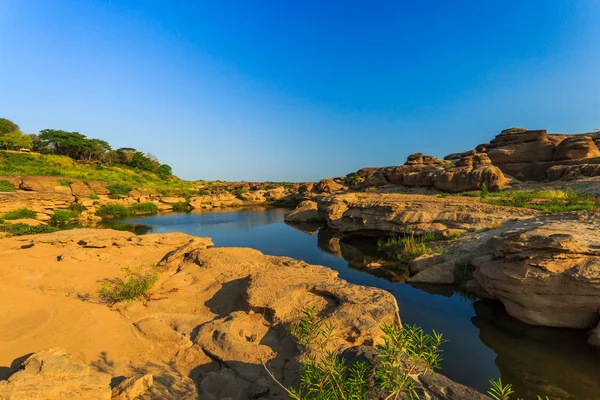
x=113, y=196
x=113, y=211
x=77, y=207
x=94, y=196
x=62, y=217
x=143, y=208
x=20, y=214
x=405, y=354
x=119, y=189
x=203, y=192
x=353, y=179
x=6, y=186
x=181, y=206
x=25, y=229
x=136, y=285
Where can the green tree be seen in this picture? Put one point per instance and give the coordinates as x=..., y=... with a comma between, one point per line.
x=164, y=171
x=15, y=140
x=7, y=125
x=72, y=144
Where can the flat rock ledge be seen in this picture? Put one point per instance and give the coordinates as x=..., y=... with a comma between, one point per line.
x=203, y=332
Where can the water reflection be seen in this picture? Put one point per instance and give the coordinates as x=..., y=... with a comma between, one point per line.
x=484, y=342
x=556, y=362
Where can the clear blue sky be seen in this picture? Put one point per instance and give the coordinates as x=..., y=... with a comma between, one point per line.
x=298, y=90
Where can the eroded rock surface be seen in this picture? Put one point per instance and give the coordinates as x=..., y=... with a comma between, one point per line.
x=392, y=213
x=549, y=273
x=203, y=332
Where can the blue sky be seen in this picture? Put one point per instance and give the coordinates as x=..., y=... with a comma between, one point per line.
x=298, y=90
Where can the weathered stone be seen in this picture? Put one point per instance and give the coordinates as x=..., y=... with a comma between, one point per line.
x=307, y=211
x=133, y=387
x=51, y=375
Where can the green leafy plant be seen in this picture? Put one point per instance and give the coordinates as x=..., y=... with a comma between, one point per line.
x=499, y=391
x=20, y=213
x=143, y=208
x=485, y=193
x=77, y=207
x=6, y=186
x=406, y=353
x=112, y=211
x=137, y=284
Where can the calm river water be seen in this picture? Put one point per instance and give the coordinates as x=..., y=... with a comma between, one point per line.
x=484, y=342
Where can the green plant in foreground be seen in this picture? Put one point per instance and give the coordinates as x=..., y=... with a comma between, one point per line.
x=6, y=186
x=137, y=284
x=21, y=229
x=406, y=353
x=20, y=213
x=498, y=391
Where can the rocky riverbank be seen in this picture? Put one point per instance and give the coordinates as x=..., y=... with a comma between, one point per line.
x=203, y=331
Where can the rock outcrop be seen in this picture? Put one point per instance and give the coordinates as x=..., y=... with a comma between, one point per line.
x=51, y=375
x=379, y=214
x=470, y=171
x=215, y=316
x=536, y=155
x=547, y=273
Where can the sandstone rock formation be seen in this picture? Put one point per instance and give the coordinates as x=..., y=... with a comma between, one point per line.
x=51, y=375
x=536, y=155
x=215, y=316
x=307, y=211
x=374, y=213
x=468, y=172
x=549, y=272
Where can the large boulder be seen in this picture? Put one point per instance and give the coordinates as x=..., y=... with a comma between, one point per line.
x=307, y=211
x=547, y=273
x=576, y=147
x=328, y=185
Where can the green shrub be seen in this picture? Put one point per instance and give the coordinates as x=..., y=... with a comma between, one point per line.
x=136, y=285
x=353, y=179
x=114, y=196
x=485, y=193
x=62, y=217
x=239, y=192
x=119, y=189
x=20, y=214
x=94, y=196
x=6, y=186
x=203, y=192
x=77, y=207
x=405, y=354
x=25, y=229
x=64, y=182
x=181, y=206
x=113, y=211
x=143, y=208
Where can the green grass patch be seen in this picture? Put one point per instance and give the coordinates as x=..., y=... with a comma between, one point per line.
x=143, y=209
x=25, y=229
x=136, y=284
x=63, y=166
x=94, y=196
x=119, y=189
x=62, y=217
x=20, y=214
x=546, y=200
x=6, y=186
x=113, y=211
x=65, y=182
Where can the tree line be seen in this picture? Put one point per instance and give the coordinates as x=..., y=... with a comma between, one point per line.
x=78, y=147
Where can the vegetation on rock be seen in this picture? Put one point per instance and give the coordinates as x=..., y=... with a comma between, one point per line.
x=143, y=208
x=137, y=283
x=21, y=213
x=6, y=186
x=547, y=200
x=112, y=211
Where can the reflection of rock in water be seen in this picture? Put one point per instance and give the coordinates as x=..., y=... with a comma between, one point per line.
x=138, y=229
x=361, y=254
x=305, y=227
x=552, y=362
